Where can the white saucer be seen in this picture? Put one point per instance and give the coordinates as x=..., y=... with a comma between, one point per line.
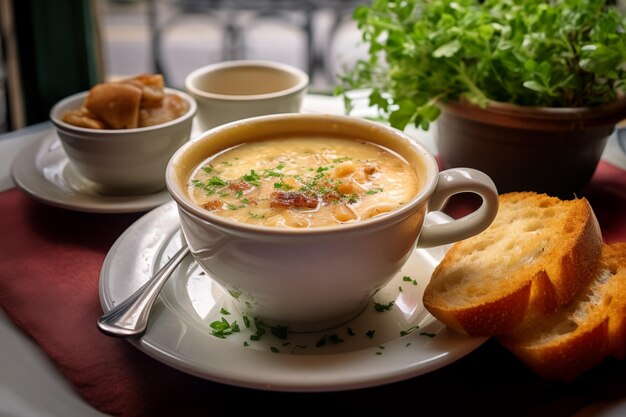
x=179, y=332
x=43, y=171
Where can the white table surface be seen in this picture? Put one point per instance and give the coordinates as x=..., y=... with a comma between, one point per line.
x=30, y=383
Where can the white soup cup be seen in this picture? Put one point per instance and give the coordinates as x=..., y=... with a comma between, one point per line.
x=318, y=278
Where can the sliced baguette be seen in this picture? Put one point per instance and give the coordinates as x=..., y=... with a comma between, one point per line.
x=534, y=257
x=584, y=332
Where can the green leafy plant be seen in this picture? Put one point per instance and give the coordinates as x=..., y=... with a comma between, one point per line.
x=566, y=53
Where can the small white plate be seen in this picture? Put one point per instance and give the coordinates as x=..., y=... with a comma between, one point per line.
x=370, y=350
x=43, y=171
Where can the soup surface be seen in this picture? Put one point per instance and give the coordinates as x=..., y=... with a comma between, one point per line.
x=303, y=182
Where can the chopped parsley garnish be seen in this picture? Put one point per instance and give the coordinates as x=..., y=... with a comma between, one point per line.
x=409, y=330
x=274, y=349
x=279, y=331
x=407, y=278
x=252, y=178
x=333, y=338
x=257, y=336
x=222, y=328
x=217, y=181
x=212, y=186
x=370, y=333
x=383, y=307
x=260, y=329
x=353, y=198
x=322, y=341
x=273, y=174
x=319, y=184
x=224, y=311
x=282, y=186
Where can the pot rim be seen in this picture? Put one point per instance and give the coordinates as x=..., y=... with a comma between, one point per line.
x=508, y=114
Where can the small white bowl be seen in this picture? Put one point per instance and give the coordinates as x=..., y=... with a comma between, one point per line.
x=122, y=161
x=234, y=90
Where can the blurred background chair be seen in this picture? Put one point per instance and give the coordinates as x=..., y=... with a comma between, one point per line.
x=185, y=34
x=238, y=20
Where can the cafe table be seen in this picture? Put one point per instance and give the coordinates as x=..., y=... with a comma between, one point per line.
x=54, y=362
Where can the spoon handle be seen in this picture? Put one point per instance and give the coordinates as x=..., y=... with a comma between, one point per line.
x=130, y=317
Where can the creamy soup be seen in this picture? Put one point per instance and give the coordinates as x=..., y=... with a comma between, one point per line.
x=303, y=182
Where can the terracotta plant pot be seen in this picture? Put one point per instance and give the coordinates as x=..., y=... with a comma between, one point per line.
x=523, y=148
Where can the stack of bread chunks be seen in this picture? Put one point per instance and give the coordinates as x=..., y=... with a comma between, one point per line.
x=541, y=281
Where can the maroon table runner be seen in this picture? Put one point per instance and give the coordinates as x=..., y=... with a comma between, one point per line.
x=50, y=261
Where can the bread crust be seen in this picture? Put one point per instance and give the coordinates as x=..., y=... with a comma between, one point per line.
x=117, y=104
x=614, y=259
x=584, y=332
x=566, y=358
x=519, y=268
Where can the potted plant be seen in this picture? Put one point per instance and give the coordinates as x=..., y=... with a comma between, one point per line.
x=527, y=91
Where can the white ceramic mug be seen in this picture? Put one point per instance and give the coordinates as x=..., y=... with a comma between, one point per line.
x=234, y=90
x=317, y=278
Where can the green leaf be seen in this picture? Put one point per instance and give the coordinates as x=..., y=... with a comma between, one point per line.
x=601, y=59
x=376, y=99
x=530, y=65
x=535, y=86
x=486, y=32
x=430, y=112
x=402, y=116
x=447, y=50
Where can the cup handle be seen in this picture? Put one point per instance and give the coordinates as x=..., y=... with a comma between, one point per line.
x=453, y=181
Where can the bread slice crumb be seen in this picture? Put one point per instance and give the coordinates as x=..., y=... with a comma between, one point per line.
x=533, y=259
x=585, y=331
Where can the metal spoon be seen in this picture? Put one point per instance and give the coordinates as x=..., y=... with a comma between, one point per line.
x=130, y=317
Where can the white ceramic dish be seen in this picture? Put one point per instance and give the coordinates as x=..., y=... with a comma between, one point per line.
x=43, y=171
x=232, y=90
x=371, y=352
x=127, y=161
